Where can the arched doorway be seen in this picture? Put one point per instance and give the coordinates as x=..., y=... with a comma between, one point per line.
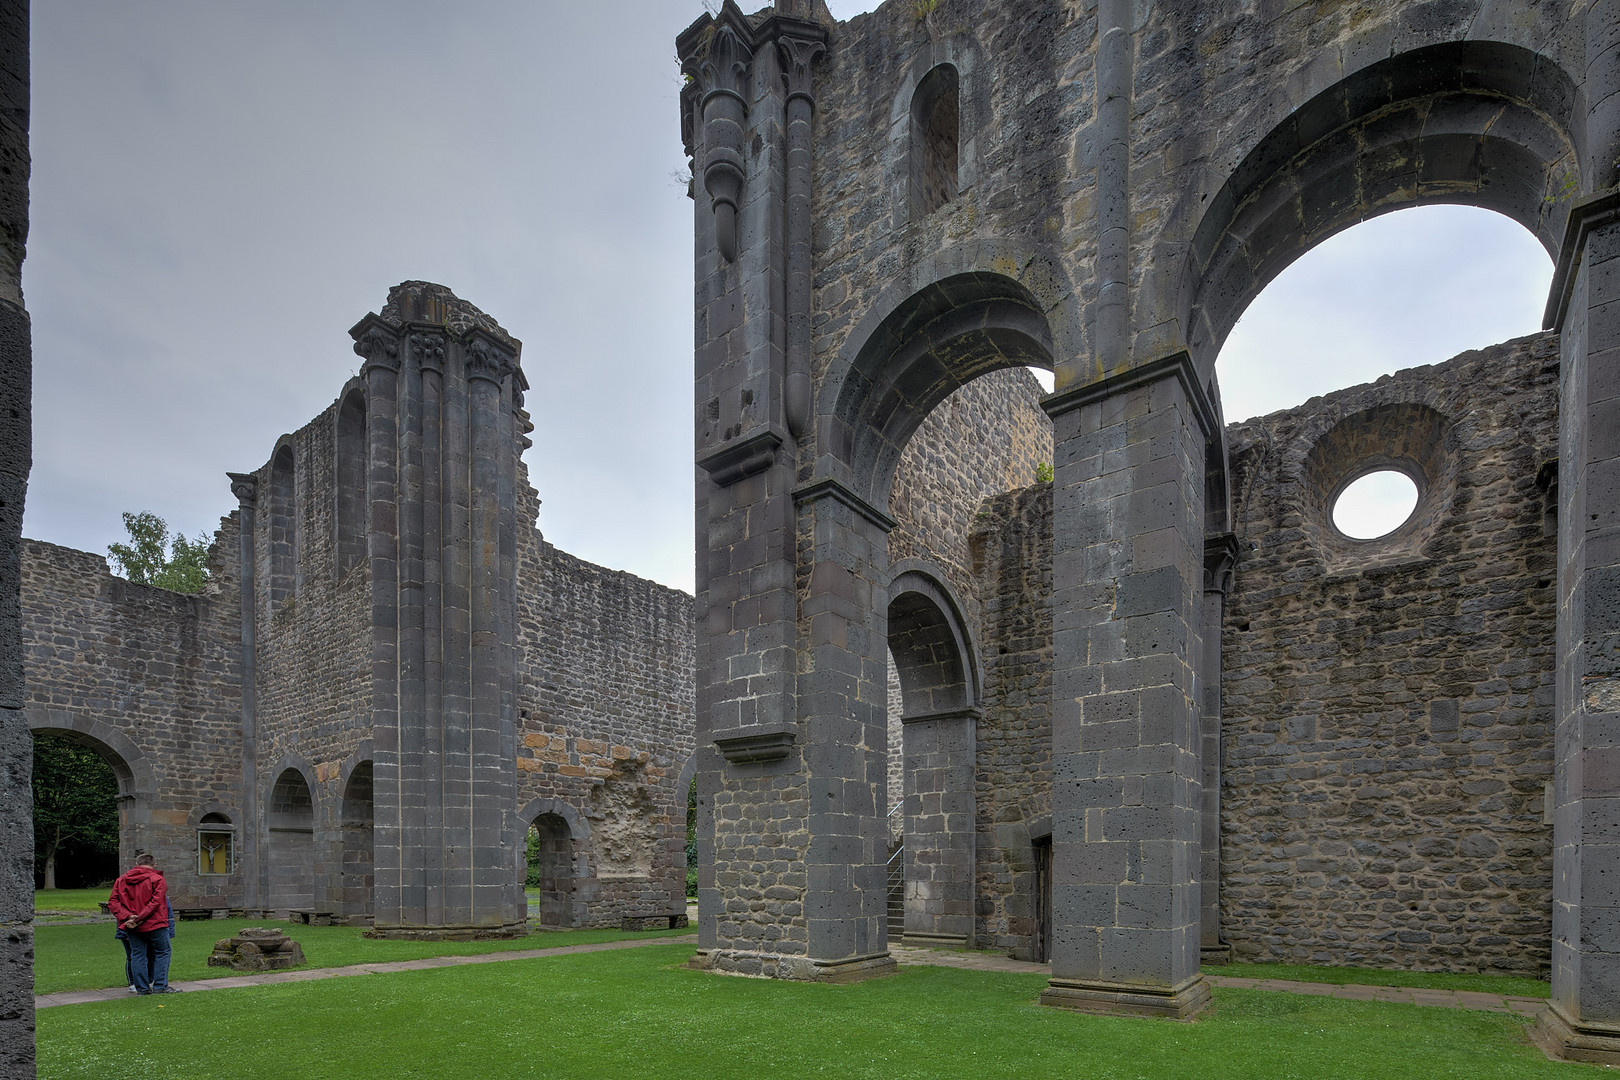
x=290, y=821
x=932, y=662
x=357, y=874
x=76, y=812
x=550, y=878
x=131, y=772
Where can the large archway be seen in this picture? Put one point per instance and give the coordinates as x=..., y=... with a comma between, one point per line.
x=131, y=772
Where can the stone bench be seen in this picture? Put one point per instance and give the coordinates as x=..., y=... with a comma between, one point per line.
x=661, y=921
x=190, y=914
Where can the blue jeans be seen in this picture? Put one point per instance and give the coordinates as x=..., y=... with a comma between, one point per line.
x=149, y=958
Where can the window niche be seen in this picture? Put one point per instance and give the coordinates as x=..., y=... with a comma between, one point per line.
x=282, y=528
x=216, y=845
x=350, y=474
x=935, y=140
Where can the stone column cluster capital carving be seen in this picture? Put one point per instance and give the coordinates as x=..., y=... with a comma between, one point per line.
x=487, y=360
x=1220, y=562
x=376, y=343
x=427, y=346
x=245, y=486
x=799, y=56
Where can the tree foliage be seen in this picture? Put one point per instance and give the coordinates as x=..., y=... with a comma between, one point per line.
x=153, y=557
x=75, y=805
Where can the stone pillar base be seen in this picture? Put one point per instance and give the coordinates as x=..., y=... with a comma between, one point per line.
x=1570, y=1040
x=1183, y=1002
x=447, y=933
x=936, y=941
x=796, y=968
x=1215, y=954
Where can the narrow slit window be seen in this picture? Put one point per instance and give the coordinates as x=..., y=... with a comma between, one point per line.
x=935, y=138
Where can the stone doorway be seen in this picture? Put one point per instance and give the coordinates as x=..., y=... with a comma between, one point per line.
x=550, y=880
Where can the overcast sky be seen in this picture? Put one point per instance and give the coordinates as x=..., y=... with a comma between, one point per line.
x=221, y=189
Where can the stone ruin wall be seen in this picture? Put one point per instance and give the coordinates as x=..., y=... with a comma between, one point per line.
x=314, y=649
x=605, y=662
x=605, y=719
x=1012, y=549
x=985, y=439
x=1388, y=705
x=102, y=655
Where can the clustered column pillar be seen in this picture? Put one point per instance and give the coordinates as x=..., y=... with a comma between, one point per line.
x=444, y=427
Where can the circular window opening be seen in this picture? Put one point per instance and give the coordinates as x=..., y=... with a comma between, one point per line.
x=1375, y=505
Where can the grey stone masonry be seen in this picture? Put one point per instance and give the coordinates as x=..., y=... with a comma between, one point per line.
x=1127, y=527
x=444, y=420
x=16, y=417
x=1388, y=703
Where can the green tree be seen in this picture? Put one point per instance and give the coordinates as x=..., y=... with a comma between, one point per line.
x=75, y=804
x=691, y=838
x=153, y=557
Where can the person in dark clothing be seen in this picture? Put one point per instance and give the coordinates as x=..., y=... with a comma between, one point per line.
x=140, y=903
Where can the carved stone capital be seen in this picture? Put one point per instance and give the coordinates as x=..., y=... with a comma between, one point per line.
x=721, y=61
x=428, y=348
x=245, y=486
x=377, y=345
x=487, y=360
x=799, y=56
x=718, y=55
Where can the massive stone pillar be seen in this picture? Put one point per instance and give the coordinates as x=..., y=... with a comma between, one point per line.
x=1128, y=592
x=1584, y=1020
x=444, y=426
x=16, y=381
x=791, y=697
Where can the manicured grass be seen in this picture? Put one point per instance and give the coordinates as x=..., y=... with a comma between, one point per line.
x=636, y=1013
x=88, y=957
x=70, y=899
x=1510, y=985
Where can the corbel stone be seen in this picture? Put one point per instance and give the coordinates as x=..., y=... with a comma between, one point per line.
x=763, y=742
x=832, y=488
x=1220, y=562
x=1177, y=365
x=742, y=457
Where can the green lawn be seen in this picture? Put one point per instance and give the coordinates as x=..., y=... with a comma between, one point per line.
x=636, y=1013
x=88, y=957
x=1514, y=986
x=70, y=899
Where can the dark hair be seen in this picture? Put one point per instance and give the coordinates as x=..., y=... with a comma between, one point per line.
x=144, y=859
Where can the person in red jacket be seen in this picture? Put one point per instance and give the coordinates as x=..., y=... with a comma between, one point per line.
x=139, y=902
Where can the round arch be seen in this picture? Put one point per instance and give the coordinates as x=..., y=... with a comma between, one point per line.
x=557, y=829
x=1479, y=123
x=929, y=641
x=130, y=766
x=963, y=312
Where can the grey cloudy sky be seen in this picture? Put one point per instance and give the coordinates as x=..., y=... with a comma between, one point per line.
x=221, y=189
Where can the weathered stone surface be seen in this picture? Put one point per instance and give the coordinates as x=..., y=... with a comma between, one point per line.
x=257, y=948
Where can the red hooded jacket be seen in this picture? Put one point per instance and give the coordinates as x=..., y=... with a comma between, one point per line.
x=141, y=895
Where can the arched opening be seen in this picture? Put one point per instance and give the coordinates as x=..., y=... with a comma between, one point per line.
x=357, y=875
x=1483, y=124
x=1463, y=140
x=78, y=814
x=935, y=138
x=291, y=825
x=934, y=867
x=350, y=476
x=550, y=880
x=283, y=529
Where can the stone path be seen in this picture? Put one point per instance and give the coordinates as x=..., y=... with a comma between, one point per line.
x=80, y=997
x=971, y=961
x=1449, y=999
